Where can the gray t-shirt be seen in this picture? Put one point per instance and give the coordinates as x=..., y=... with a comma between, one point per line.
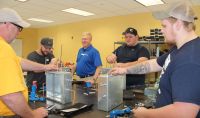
x=39, y=77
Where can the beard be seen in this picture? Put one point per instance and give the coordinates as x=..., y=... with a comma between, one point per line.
x=43, y=53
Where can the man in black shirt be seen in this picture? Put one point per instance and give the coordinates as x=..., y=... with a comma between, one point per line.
x=42, y=55
x=128, y=54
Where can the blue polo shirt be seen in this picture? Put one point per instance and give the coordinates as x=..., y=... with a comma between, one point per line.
x=88, y=59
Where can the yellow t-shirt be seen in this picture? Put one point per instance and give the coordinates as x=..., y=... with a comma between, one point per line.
x=11, y=75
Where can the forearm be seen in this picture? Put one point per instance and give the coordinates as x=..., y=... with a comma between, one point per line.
x=17, y=103
x=144, y=67
x=130, y=64
x=97, y=72
x=170, y=111
x=158, y=113
x=28, y=65
x=127, y=64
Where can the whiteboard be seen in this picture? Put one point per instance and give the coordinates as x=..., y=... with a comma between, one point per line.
x=17, y=46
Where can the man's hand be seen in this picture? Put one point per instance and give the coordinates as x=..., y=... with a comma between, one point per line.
x=57, y=62
x=50, y=67
x=54, y=61
x=138, y=113
x=118, y=71
x=72, y=67
x=95, y=77
x=111, y=59
x=40, y=113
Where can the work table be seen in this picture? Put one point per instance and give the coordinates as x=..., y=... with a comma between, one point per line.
x=86, y=99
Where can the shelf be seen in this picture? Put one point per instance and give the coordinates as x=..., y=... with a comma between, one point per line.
x=143, y=42
x=151, y=42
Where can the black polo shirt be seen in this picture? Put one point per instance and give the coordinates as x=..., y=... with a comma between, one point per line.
x=126, y=54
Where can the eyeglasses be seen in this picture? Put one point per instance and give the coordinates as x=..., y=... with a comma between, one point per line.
x=20, y=28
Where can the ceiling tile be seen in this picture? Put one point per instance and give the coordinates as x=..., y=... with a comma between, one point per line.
x=106, y=5
x=127, y=4
x=51, y=9
x=195, y=2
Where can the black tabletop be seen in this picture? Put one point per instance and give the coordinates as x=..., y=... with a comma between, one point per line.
x=80, y=97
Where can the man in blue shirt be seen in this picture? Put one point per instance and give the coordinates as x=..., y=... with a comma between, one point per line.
x=88, y=59
x=179, y=91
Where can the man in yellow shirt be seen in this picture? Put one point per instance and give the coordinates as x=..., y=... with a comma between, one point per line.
x=13, y=90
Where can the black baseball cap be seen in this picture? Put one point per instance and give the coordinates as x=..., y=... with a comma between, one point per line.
x=47, y=42
x=130, y=30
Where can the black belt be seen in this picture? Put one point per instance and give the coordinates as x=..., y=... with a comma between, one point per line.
x=86, y=76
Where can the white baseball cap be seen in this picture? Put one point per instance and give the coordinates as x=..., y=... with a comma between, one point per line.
x=10, y=15
x=182, y=11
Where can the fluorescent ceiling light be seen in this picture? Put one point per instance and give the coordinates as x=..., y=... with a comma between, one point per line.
x=40, y=20
x=150, y=2
x=78, y=12
x=21, y=0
